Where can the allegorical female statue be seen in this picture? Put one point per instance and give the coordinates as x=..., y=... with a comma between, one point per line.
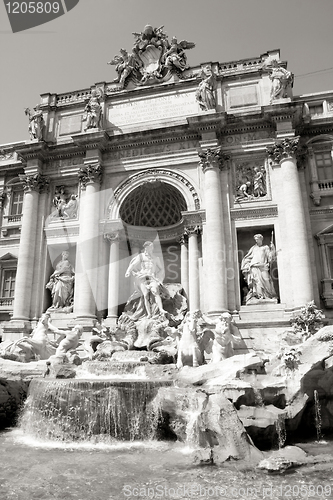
x=61, y=284
x=256, y=268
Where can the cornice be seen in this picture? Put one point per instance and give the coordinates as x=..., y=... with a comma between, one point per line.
x=124, y=143
x=93, y=139
x=254, y=213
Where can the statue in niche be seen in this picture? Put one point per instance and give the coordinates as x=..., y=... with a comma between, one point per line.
x=282, y=80
x=148, y=273
x=93, y=112
x=256, y=268
x=61, y=284
x=66, y=207
x=206, y=90
x=36, y=123
x=175, y=56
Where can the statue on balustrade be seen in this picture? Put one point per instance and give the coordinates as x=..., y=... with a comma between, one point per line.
x=205, y=94
x=256, y=268
x=61, y=284
x=36, y=123
x=93, y=112
x=282, y=80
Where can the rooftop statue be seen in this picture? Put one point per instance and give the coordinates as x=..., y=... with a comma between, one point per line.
x=205, y=94
x=93, y=112
x=282, y=80
x=153, y=58
x=36, y=123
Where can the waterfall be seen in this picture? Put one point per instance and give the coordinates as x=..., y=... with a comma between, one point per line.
x=280, y=426
x=318, y=421
x=95, y=410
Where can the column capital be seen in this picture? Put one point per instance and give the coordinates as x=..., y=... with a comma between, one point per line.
x=113, y=237
x=213, y=158
x=286, y=149
x=90, y=174
x=35, y=182
x=190, y=230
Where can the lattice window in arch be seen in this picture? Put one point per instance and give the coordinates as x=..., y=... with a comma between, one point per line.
x=154, y=204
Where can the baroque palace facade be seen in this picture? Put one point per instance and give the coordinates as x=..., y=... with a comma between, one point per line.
x=197, y=160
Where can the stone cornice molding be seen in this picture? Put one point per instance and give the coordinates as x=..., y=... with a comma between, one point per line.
x=35, y=150
x=254, y=213
x=35, y=182
x=92, y=139
x=283, y=150
x=90, y=174
x=213, y=158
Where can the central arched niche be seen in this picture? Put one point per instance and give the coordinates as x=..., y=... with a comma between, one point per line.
x=155, y=206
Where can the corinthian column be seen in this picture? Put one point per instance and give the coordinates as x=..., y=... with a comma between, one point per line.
x=113, y=287
x=87, y=249
x=212, y=161
x=33, y=185
x=193, y=267
x=296, y=246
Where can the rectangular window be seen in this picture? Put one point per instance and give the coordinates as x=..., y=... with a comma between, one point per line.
x=17, y=203
x=316, y=109
x=324, y=165
x=8, y=284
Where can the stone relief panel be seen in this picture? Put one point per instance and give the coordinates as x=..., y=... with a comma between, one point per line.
x=251, y=182
x=65, y=203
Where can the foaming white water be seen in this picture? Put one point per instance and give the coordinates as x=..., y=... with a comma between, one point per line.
x=19, y=437
x=86, y=375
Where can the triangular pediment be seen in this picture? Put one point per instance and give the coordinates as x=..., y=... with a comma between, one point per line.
x=8, y=256
x=328, y=230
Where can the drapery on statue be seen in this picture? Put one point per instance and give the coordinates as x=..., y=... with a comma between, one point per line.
x=36, y=123
x=205, y=91
x=148, y=273
x=93, y=112
x=256, y=266
x=281, y=80
x=61, y=284
x=175, y=56
x=125, y=64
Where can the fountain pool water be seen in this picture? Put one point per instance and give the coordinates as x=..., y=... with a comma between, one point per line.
x=35, y=469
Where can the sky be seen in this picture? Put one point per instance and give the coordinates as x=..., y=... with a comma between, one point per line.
x=72, y=51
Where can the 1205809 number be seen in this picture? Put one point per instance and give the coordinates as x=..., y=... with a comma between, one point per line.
x=33, y=7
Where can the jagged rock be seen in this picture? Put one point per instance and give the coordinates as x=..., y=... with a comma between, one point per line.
x=208, y=423
x=283, y=459
x=15, y=378
x=214, y=374
x=107, y=348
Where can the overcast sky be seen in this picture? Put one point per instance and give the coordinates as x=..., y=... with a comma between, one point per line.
x=72, y=52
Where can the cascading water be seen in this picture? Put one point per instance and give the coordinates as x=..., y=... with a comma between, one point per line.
x=318, y=421
x=96, y=410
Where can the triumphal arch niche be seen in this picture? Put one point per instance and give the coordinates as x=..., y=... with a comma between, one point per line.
x=207, y=162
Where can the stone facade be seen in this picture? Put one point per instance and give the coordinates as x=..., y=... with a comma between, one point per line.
x=196, y=159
